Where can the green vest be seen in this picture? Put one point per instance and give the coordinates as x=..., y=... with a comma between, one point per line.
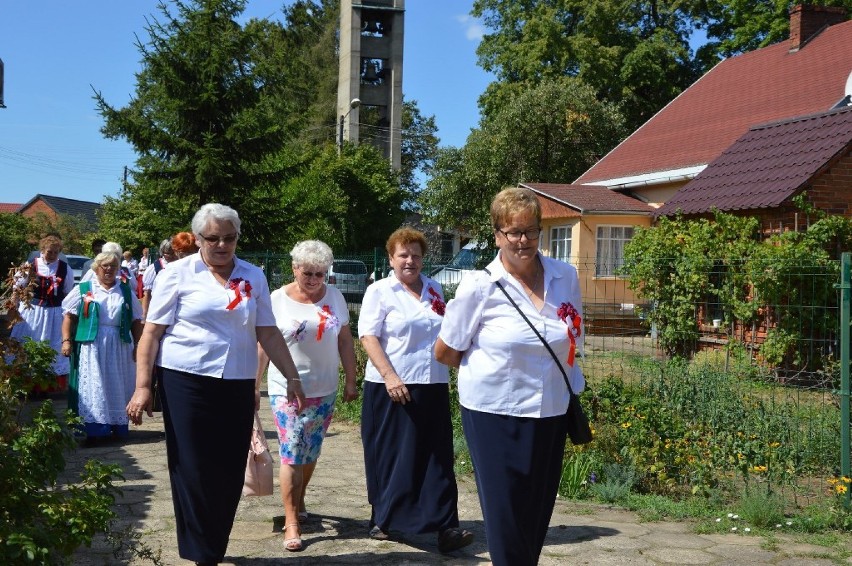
x=87, y=318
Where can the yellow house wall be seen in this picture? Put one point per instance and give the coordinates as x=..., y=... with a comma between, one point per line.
x=583, y=255
x=656, y=195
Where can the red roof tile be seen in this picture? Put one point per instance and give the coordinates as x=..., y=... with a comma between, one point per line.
x=753, y=88
x=767, y=165
x=9, y=207
x=590, y=199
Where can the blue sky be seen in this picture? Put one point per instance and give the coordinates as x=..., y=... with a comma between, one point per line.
x=55, y=51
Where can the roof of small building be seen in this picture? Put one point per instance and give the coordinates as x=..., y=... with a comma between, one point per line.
x=766, y=166
x=8, y=207
x=768, y=84
x=577, y=200
x=71, y=207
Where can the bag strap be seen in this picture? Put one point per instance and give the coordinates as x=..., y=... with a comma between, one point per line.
x=537, y=333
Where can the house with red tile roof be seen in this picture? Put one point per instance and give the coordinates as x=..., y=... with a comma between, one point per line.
x=761, y=173
x=808, y=74
x=9, y=207
x=587, y=226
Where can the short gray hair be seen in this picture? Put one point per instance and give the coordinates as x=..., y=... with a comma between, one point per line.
x=312, y=252
x=214, y=211
x=165, y=246
x=113, y=248
x=106, y=258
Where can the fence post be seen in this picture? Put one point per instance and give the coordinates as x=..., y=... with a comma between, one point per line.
x=845, y=296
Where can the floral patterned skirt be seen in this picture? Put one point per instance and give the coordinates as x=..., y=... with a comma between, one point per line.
x=300, y=435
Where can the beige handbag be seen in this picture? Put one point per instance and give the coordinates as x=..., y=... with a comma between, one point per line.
x=258, y=480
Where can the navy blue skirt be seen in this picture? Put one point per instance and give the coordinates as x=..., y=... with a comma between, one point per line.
x=208, y=424
x=408, y=456
x=517, y=462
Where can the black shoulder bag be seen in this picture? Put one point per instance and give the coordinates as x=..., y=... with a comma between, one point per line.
x=578, y=424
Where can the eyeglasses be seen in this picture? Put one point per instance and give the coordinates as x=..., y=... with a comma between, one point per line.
x=515, y=237
x=317, y=274
x=214, y=240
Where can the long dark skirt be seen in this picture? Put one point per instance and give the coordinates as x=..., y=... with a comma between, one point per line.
x=208, y=424
x=408, y=456
x=517, y=462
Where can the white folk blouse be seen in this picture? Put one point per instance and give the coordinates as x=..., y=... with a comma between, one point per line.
x=211, y=327
x=406, y=327
x=505, y=368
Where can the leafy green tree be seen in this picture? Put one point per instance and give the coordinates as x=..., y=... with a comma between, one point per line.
x=205, y=120
x=419, y=148
x=14, y=246
x=635, y=53
x=238, y=119
x=550, y=133
x=739, y=26
x=351, y=202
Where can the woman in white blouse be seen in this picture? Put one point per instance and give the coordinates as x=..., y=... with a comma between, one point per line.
x=51, y=279
x=207, y=313
x=103, y=322
x=513, y=395
x=405, y=419
x=314, y=319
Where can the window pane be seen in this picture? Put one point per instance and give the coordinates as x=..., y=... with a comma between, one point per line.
x=560, y=242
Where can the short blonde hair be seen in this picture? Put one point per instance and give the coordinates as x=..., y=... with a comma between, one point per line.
x=105, y=258
x=511, y=202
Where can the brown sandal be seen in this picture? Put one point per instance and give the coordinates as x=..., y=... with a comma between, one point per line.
x=293, y=544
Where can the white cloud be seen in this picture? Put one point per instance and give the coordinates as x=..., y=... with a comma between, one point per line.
x=473, y=29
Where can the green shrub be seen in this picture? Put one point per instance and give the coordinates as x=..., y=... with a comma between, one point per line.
x=43, y=522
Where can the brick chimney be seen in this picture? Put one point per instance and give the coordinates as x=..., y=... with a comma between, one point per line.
x=807, y=21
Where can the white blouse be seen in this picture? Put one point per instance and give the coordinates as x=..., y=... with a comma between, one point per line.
x=406, y=328
x=311, y=332
x=110, y=300
x=47, y=270
x=505, y=368
x=204, y=336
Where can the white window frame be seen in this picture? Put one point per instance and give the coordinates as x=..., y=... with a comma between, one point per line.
x=559, y=242
x=610, y=240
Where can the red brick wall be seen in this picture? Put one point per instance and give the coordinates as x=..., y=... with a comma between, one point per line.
x=805, y=21
x=38, y=206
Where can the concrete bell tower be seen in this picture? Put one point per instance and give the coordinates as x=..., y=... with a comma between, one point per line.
x=369, y=91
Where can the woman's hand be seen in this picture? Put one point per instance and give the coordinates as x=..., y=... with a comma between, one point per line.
x=295, y=392
x=350, y=391
x=67, y=346
x=142, y=400
x=396, y=389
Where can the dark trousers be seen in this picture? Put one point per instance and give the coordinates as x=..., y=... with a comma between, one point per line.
x=517, y=463
x=408, y=459
x=208, y=424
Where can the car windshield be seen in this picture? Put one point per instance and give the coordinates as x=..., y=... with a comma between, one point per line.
x=77, y=262
x=350, y=268
x=465, y=259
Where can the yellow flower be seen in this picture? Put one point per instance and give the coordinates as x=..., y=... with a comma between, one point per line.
x=758, y=469
x=775, y=445
x=845, y=480
x=841, y=488
x=626, y=425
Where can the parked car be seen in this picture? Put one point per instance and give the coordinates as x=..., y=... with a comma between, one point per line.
x=464, y=261
x=350, y=276
x=75, y=262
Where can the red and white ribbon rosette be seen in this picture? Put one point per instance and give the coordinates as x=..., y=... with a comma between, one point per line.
x=327, y=321
x=241, y=288
x=569, y=315
x=438, y=304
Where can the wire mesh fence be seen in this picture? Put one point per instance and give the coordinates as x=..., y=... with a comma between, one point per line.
x=753, y=405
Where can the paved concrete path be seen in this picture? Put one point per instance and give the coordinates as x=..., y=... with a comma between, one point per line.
x=580, y=533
